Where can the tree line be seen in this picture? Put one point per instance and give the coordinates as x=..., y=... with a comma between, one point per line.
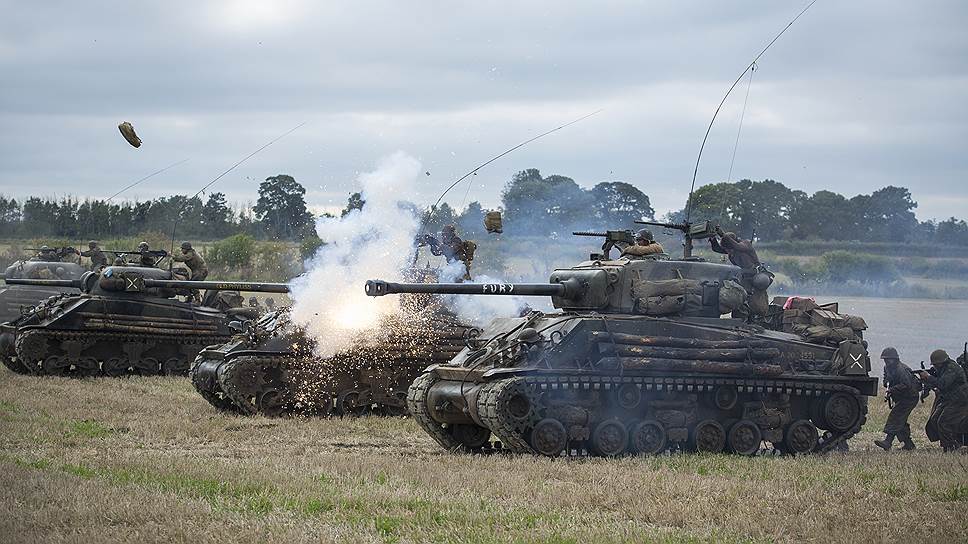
x=532, y=204
x=279, y=214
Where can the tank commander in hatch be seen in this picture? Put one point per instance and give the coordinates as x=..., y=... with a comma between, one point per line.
x=645, y=245
x=756, y=279
x=193, y=261
x=902, y=396
x=147, y=258
x=98, y=258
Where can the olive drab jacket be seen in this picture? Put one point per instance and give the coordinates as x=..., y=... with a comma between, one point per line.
x=638, y=250
x=900, y=382
x=193, y=261
x=740, y=252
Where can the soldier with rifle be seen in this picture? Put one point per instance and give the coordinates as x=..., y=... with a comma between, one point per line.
x=949, y=414
x=902, y=396
x=98, y=258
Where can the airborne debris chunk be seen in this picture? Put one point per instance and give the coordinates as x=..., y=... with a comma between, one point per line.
x=129, y=134
x=493, y=222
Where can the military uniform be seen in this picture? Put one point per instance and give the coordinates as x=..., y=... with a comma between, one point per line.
x=640, y=250
x=949, y=414
x=903, y=392
x=452, y=248
x=194, y=262
x=742, y=254
x=98, y=258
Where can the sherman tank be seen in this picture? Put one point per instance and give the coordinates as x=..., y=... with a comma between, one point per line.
x=271, y=366
x=125, y=320
x=16, y=299
x=640, y=357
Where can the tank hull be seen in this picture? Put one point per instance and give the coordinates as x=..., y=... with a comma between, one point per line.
x=278, y=373
x=605, y=386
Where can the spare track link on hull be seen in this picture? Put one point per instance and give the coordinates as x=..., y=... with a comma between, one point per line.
x=31, y=351
x=498, y=397
x=420, y=412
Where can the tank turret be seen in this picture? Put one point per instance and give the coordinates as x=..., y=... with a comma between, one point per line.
x=643, y=356
x=16, y=299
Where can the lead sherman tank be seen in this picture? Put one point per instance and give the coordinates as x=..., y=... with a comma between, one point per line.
x=271, y=367
x=638, y=359
x=126, y=320
x=16, y=299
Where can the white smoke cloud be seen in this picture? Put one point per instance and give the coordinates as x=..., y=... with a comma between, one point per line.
x=371, y=243
x=479, y=310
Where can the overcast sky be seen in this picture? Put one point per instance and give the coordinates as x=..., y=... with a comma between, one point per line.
x=857, y=95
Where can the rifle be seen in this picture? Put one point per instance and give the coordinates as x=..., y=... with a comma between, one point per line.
x=925, y=389
x=613, y=238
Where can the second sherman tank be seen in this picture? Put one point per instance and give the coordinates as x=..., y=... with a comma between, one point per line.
x=125, y=320
x=17, y=299
x=272, y=368
x=639, y=358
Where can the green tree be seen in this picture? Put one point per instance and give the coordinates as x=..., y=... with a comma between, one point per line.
x=216, y=216
x=747, y=206
x=354, y=202
x=616, y=203
x=826, y=216
x=533, y=202
x=281, y=208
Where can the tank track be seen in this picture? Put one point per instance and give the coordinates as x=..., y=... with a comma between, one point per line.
x=420, y=412
x=252, y=384
x=497, y=412
x=32, y=349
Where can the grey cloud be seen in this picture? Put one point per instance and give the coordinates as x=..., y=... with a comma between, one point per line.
x=854, y=97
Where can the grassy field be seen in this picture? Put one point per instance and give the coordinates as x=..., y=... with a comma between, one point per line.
x=147, y=460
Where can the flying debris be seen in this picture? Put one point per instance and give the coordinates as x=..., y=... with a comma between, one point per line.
x=129, y=134
x=493, y=222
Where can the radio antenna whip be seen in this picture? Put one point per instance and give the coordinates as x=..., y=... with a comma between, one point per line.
x=218, y=177
x=520, y=145
x=151, y=175
x=702, y=146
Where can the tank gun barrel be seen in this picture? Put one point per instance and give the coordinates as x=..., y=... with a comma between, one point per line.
x=567, y=289
x=219, y=285
x=46, y=283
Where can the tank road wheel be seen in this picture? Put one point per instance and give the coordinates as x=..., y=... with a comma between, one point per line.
x=146, y=366
x=647, y=437
x=351, y=403
x=841, y=411
x=725, y=397
x=744, y=437
x=86, y=367
x=271, y=403
x=55, y=366
x=549, y=437
x=471, y=437
x=610, y=438
x=115, y=366
x=175, y=367
x=800, y=437
x=518, y=406
x=709, y=436
x=629, y=396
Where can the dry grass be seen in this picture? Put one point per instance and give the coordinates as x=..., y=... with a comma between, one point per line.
x=146, y=459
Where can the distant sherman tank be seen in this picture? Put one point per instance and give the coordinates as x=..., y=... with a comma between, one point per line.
x=271, y=368
x=125, y=320
x=16, y=299
x=639, y=359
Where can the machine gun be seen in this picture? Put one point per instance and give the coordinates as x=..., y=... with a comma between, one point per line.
x=925, y=389
x=692, y=231
x=613, y=238
x=158, y=254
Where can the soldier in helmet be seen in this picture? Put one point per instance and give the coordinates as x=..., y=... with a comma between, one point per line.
x=147, y=258
x=98, y=258
x=46, y=254
x=949, y=414
x=192, y=260
x=645, y=244
x=756, y=279
x=902, y=395
x=451, y=247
